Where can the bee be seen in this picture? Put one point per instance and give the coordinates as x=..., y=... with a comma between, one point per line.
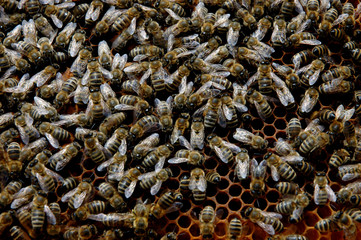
x=102, y=26
x=293, y=128
x=338, y=221
x=263, y=108
x=181, y=124
x=258, y=174
x=182, y=26
x=350, y=135
x=164, y=111
x=76, y=42
x=288, y=237
x=349, y=10
x=107, y=191
x=114, y=219
x=188, y=155
x=28, y=132
x=117, y=142
x=294, y=206
x=342, y=115
x=18, y=233
x=309, y=101
x=24, y=218
x=157, y=157
x=154, y=180
x=236, y=69
x=166, y=203
x=60, y=159
x=54, y=134
x=124, y=20
x=302, y=57
x=94, y=207
x=278, y=37
x=349, y=172
x=111, y=122
x=268, y=221
x=39, y=209
x=80, y=63
x=197, y=133
x=169, y=236
x=43, y=26
x=339, y=35
x=304, y=167
x=135, y=103
x=349, y=193
x=235, y=229
x=113, y=234
x=261, y=48
x=46, y=178
x=93, y=12
x=223, y=149
x=43, y=109
x=207, y=222
x=80, y=10
x=30, y=150
x=97, y=108
x=321, y=51
x=143, y=51
x=6, y=196
x=163, y=5
x=120, y=42
x=197, y=183
x=115, y=167
x=249, y=20
x=351, y=45
x=339, y=157
x=311, y=73
x=50, y=90
x=153, y=28
x=287, y=188
x=242, y=164
x=146, y=145
x=212, y=113
x=287, y=152
x=336, y=86
x=59, y=14
x=69, y=183
x=249, y=138
x=279, y=167
x=323, y=191
x=82, y=232
x=78, y=195
x=54, y=229
x=354, y=214
x=329, y=20
x=26, y=49
x=23, y=196
x=93, y=77
x=343, y=72
x=292, y=79
x=94, y=149
x=128, y=182
x=140, y=223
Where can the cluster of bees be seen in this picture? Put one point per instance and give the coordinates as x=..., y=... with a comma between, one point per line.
x=141, y=89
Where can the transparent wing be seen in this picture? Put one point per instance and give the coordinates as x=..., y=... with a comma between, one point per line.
x=129, y=190
x=50, y=217
x=316, y=194
x=221, y=154
x=274, y=173
x=330, y=194
x=156, y=187
x=177, y=160
x=266, y=227
x=53, y=141
x=57, y=22
x=69, y=194
x=79, y=199
x=185, y=143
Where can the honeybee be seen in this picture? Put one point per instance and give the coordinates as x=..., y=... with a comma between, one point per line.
x=286, y=151
x=236, y=69
x=93, y=207
x=287, y=187
x=44, y=176
x=235, y=229
x=110, y=122
x=197, y=184
x=69, y=183
x=181, y=124
x=59, y=14
x=95, y=150
x=249, y=20
x=262, y=106
x=124, y=20
x=302, y=57
x=188, y=155
x=7, y=195
x=352, y=14
x=17, y=232
x=311, y=72
x=157, y=157
x=78, y=195
x=60, y=159
x=261, y=48
x=278, y=37
x=207, y=222
x=205, y=67
x=40, y=208
x=343, y=72
x=50, y=90
x=294, y=206
x=140, y=223
x=54, y=229
x=336, y=86
x=54, y=134
x=97, y=109
x=120, y=42
x=27, y=131
x=135, y=103
x=82, y=232
x=258, y=174
x=117, y=142
x=107, y=191
x=143, y=51
x=292, y=79
x=347, y=192
x=114, y=219
x=23, y=196
x=164, y=111
x=279, y=167
x=167, y=202
x=349, y=172
x=128, y=182
x=169, y=236
x=223, y=149
x=338, y=221
x=212, y=112
x=154, y=180
x=146, y=145
x=76, y=42
x=249, y=138
x=263, y=26
x=26, y=49
x=43, y=26
x=341, y=116
x=339, y=157
x=30, y=150
x=80, y=63
x=42, y=109
x=309, y=101
x=329, y=20
x=115, y=166
x=288, y=237
x=268, y=221
x=102, y=26
x=323, y=191
x=197, y=133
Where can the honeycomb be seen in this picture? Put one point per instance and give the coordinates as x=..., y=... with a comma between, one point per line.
x=229, y=197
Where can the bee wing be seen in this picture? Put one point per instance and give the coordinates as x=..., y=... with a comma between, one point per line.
x=24, y=137
x=240, y=107
x=233, y=147
x=119, y=61
x=243, y=135
x=252, y=79
x=69, y=194
x=272, y=214
x=151, y=140
x=74, y=47
x=129, y=190
x=6, y=118
x=221, y=118
x=316, y=194
x=331, y=194
x=41, y=102
x=124, y=107
x=298, y=7
x=357, y=10
x=340, y=19
x=311, y=42
x=97, y=217
x=123, y=147
x=220, y=154
x=185, y=143
x=57, y=22
x=117, y=175
x=160, y=164
x=222, y=19
x=90, y=12
x=202, y=184
x=292, y=158
x=41, y=182
x=54, y=175
x=67, y=5
x=29, y=31
x=266, y=227
x=50, y=217
x=350, y=176
x=156, y=187
x=275, y=174
x=197, y=138
x=79, y=199
x=105, y=165
x=107, y=91
x=324, y=5
x=53, y=141
x=173, y=14
x=18, y=202
x=145, y=76
x=170, y=43
x=261, y=169
x=176, y=160
x=232, y=37
x=282, y=97
x=314, y=77
x=242, y=168
x=297, y=213
x=9, y=72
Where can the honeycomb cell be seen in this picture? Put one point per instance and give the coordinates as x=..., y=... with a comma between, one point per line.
x=212, y=190
x=247, y=197
x=223, y=184
x=269, y=130
x=223, y=169
x=184, y=236
x=257, y=124
x=280, y=124
x=235, y=190
x=172, y=227
x=186, y=206
x=222, y=197
x=88, y=164
x=184, y=222
x=222, y=212
x=312, y=233
x=235, y=204
x=311, y=218
x=173, y=215
x=211, y=163
x=261, y=203
x=220, y=229
x=173, y=184
x=272, y=196
x=258, y=233
x=324, y=211
x=337, y=235
x=194, y=230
